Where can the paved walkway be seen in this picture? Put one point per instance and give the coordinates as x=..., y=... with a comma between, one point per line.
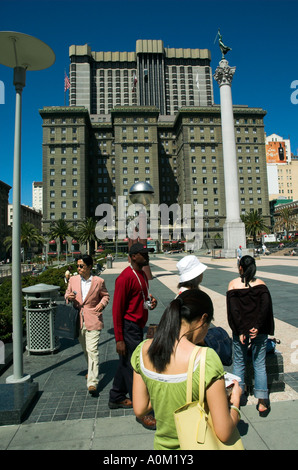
x=66, y=417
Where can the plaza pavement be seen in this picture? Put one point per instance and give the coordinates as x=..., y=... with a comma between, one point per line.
x=66, y=417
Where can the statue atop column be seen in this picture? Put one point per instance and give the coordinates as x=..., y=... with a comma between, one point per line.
x=224, y=49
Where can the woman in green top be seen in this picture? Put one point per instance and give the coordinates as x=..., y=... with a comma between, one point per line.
x=160, y=370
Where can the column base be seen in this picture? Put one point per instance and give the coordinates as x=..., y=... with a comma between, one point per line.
x=234, y=236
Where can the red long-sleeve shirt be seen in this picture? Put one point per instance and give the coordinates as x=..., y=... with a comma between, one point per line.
x=129, y=300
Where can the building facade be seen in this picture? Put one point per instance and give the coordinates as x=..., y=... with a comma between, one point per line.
x=282, y=168
x=152, y=75
x=147, y=115
x=88, y=161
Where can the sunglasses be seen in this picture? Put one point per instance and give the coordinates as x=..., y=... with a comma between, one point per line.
x=81, y=266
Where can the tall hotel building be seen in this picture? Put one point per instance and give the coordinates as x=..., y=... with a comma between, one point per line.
x=147, y=115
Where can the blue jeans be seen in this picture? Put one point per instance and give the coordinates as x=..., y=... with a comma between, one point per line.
x=258, y=348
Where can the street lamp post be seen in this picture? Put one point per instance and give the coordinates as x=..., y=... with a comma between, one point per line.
x=20, y=52
x=142, y=193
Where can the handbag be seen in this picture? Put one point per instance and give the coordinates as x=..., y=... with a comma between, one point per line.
x=66, y=321
x=218, y=339
x=193, y=420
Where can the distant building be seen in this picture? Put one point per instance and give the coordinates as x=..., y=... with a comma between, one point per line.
x=28, y=215
x=37, y=193
x=282, y=168
x=4, y=229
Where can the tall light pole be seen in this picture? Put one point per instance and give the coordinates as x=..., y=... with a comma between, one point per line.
x=20, y=52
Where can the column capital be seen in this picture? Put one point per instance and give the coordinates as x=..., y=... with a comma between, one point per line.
x=224, y=73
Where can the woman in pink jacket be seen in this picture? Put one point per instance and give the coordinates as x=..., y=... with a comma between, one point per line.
x=90, y=296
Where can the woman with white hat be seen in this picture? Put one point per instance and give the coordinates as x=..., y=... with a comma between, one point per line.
x=191, y=273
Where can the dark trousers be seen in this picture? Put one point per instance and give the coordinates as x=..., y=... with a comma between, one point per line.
x=122, y=385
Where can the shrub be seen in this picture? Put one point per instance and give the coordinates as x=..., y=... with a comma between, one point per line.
x=51, y=276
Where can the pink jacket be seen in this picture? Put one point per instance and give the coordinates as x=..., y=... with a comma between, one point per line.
x=97, y=294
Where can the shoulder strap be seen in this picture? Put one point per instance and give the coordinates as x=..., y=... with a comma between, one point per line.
x=189, y=374
x=202, y=376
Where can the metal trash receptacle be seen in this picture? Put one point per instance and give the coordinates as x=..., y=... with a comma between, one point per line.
x=40, y=318
x=109, y=261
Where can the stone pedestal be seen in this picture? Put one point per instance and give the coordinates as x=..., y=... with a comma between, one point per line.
x=234, y=229
x=234, y=235
x=15, y=400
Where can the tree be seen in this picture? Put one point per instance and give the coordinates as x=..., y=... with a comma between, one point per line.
x=285, y=215
x=60, y=229
x=86, y=232
x=29, y=236
x=254, y=224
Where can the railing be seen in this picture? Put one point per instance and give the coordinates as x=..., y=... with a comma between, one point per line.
x=6, y=270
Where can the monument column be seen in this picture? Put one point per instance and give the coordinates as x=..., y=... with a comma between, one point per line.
x=234, y=229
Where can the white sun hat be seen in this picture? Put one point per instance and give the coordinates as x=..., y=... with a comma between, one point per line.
x=189, y=268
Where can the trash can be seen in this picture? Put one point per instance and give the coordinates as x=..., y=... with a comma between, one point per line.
x=109, y=262
x=40, y=318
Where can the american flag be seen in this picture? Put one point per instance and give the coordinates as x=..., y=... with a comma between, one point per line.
x=135, y=80
x=66, y=83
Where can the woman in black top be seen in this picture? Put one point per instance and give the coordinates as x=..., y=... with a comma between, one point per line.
x=250, y=316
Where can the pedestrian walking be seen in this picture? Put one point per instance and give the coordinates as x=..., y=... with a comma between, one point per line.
x=89, y=295
x=131, y=304
x=250, y=316
x=239, y=254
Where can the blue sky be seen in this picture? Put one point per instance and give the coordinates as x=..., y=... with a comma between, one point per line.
x=262, y=35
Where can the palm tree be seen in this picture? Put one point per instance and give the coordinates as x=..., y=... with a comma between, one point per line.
x=60, y=229
x=29, y=236
x=285, y=215
x=254, y=224
x=86, y=232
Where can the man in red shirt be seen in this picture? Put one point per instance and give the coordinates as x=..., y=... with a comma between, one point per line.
x=130, y=314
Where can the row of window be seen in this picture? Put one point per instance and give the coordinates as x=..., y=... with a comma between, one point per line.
x=53, y=148
x=63, y=161
x=74, y=204
x=74, y=171
x=63, y=182
x=63, y=215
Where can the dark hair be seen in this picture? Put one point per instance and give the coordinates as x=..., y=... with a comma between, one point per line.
x=87, y=259
x=192, y=283
x=248, y=265
x=190, y=305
